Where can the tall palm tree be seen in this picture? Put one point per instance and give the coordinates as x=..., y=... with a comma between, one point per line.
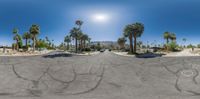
x=133, y=31
x=167, y=36
x=121, y=41
x=16, y=37
x=84, y=38
x=74, y=34
x=173, y=37
x=67, y=40
x=79, y=23
x=140, y=44
x=26, y=37
x=48, y=42
x=89, y=41
x=184, y=40
x=128, y=32
x=34, y=30
x=80, y=41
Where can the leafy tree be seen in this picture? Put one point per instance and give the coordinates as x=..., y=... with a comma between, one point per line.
x=41, y=43
x=198, y=45
x=34, y=30
x=172, y=46
x=133, y=31
x=121, y=41
x=98, y=47
x=190, y=46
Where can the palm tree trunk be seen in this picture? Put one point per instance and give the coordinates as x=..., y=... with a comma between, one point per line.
x=67, y=46
x=167, y=40
x=26, y=42
x=84, y=44
x=17, y=47
x=135, y=44
x=34, y=44
x=81, y=45
x=123, y=45
x=76, y=43
x=131, y=42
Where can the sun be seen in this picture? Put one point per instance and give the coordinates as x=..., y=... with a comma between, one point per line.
x=100, y=17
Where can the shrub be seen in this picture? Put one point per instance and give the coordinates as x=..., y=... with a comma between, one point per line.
x=172, y=46
x=198, y=45
x=87, y=49
x=190, y=46
x=25, y=48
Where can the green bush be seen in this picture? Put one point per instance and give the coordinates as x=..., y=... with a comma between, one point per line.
x=172, y=46
x=25, y=48
x=87, y=49
x=190, y=46
x=198, y=45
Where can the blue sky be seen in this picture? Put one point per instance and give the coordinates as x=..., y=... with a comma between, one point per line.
x=56, y=18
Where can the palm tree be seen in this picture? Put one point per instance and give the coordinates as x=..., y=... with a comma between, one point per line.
x=16, y=37
x=80, y=34
x=133, y=30
x=167, y=36
x=74, y=34
x=26, y=36
x=128, y=32
x=121, y=41
x=173, y=37
x=48, y=42
x=184, y=40
x=84, y=38
x=67, y=40
x=34, y=30
x=140, y=44
x=89, y=40
x=79, y=23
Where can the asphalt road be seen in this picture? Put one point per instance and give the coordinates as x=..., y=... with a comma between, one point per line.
x=103, y=76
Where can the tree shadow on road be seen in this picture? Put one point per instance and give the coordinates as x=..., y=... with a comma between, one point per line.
x=57, y=55
x=149, y=55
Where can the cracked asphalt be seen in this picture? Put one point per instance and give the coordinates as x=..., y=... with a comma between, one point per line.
x=103, y=76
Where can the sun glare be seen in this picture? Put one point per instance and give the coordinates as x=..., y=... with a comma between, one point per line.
x=100, y=17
